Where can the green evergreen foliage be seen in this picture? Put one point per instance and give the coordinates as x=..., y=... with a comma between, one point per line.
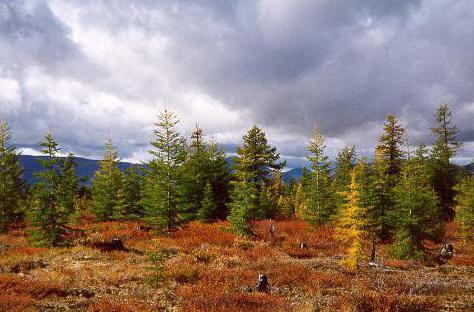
x=364, y=176
x=275, y=193
x=11, y=183
x=106, y=185
x=443, y=175
x=69, y=184
x=465, y=208
x=320, y=203
x=219, y=175
x=206, y=211
x=264, y=206
x=162, y=183
x=242, y=206
x=195, y=171
x=48, y=215
x=388, y=161
x=345, y=162
x=130, y=195
x=416, y=213
x=254, y=161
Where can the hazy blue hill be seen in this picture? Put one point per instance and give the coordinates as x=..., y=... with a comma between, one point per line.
x=85, y=167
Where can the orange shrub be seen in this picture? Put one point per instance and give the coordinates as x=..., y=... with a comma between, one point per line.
x=198, y=298
x=332, y=280
x=196, y=234
x=14, y=302
x=462, y=261
x=261, y=253
x=399, y=264
x=182, y=273
x=292, y=275
x=228, y=279
x=16, y=285
x=105, y=231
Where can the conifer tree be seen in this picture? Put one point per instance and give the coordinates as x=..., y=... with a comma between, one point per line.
x=11, y=183
x=120, y=207
x=106, y=185
x=443, y=176
x=366, y=194
x=351, y=225
x=320, y=204
x=264, y=204
x=194, y=175
x=276, y=192
x=69, y=184
x=243, y=197
x=345, y=162
x=47, y=214
x=161, y=193
x=219, y=174
x=206, y=211
x=255, y=159
x=416, y=214
x=130, y=194
x=465, y=208
x=300, y=200
x=388, y=161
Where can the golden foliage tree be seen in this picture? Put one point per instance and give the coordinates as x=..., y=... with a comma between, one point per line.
x=351, y=224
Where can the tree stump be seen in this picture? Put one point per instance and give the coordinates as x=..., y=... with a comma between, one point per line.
x=115, y=243
x=262, y=283
x=272, y=229
x=446, y=253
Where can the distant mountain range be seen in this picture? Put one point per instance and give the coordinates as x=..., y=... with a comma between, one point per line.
x=86, y=168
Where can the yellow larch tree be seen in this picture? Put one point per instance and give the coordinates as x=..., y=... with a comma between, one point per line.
x=351, y=224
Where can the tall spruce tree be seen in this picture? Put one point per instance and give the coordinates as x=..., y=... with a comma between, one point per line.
x=364, y=175
x=11, y=183
x=243, y=199
x=69, y=184
x=276, y=193
x=351, y=224
x=254, y=161
x=320, y=203
x=465, y=208
x=443, y=175
x=208, y=206
x=388, y=161
x=416, y=213
x=162, y=187
x=106, y=185
x=345, y=162
x=194, y=175
x=131, y=192
x=47, y=214
x=219, y=175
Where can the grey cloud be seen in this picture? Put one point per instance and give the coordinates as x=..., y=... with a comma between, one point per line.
x=294, y=65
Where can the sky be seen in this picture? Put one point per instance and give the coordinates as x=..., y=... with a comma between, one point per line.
x=92, y=69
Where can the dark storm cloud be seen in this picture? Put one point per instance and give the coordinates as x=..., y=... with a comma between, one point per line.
x=289, y=66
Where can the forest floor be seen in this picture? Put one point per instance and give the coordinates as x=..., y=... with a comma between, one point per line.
x=205, y=268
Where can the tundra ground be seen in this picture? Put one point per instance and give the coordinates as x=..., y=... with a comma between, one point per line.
x=203, y=267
